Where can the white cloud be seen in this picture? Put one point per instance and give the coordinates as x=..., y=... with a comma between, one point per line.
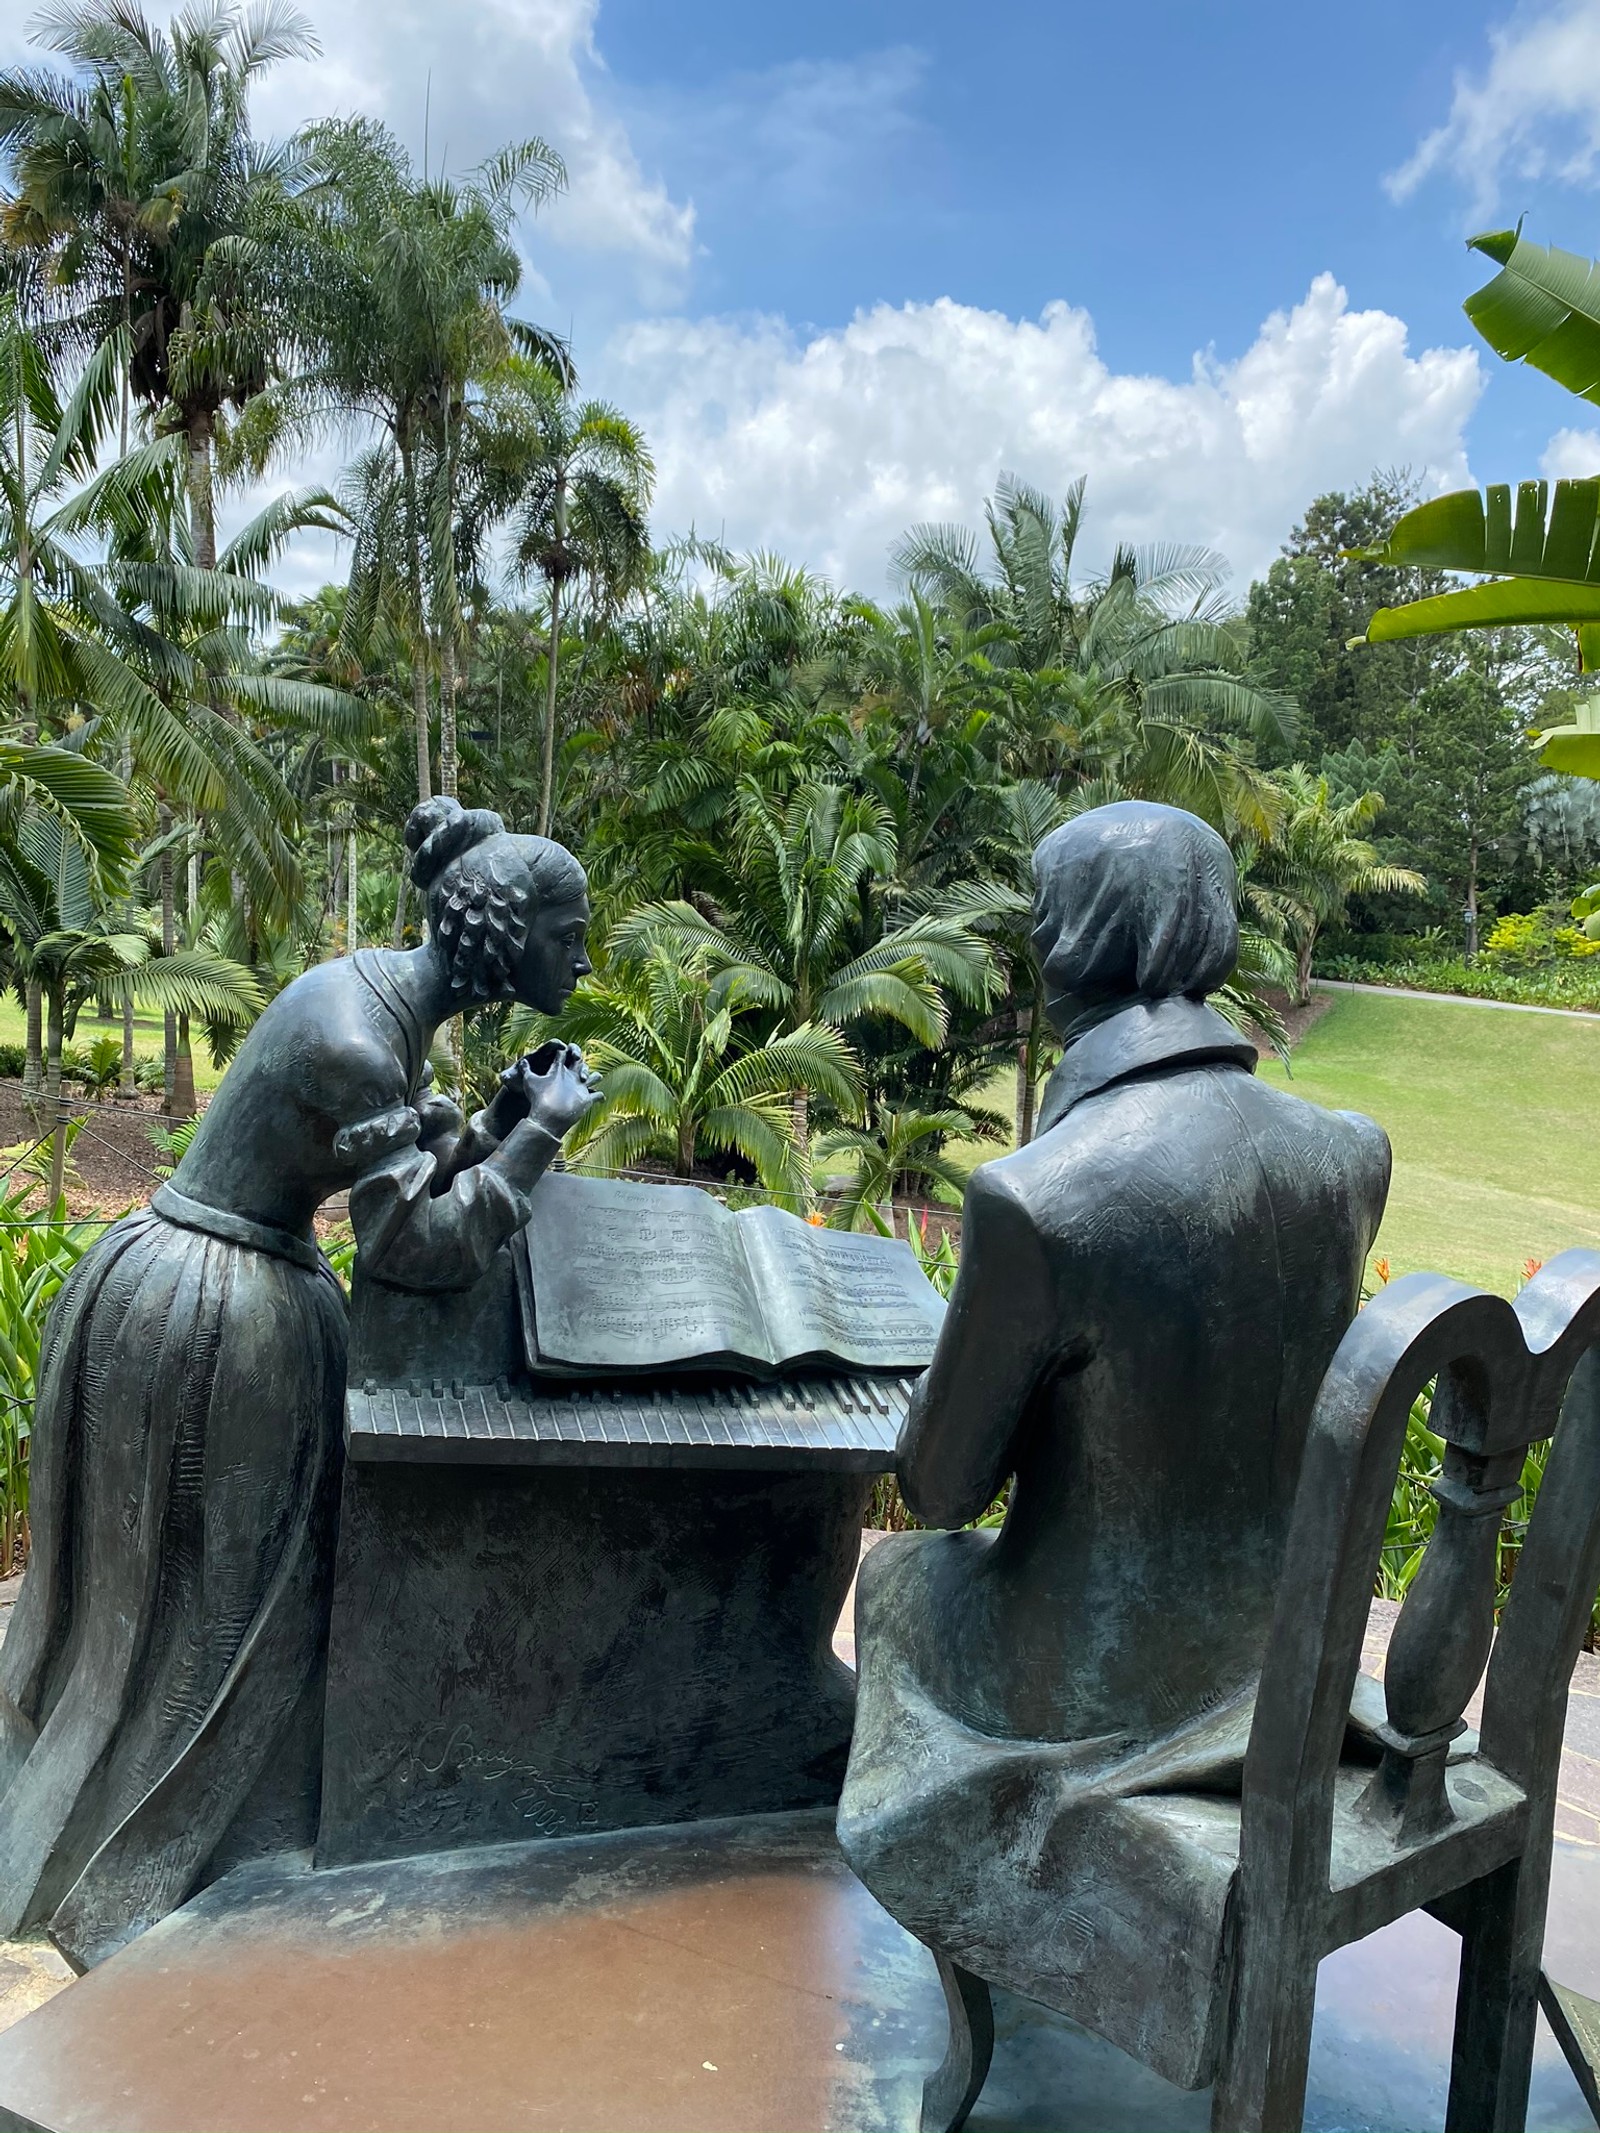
x=1571, y=455
x=1534, y=113
x=487, y=73
x=828, y=448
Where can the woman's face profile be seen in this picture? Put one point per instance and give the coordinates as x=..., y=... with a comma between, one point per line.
x=553, y=957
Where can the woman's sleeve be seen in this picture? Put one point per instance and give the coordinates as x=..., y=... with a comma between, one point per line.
x=997, y=1339
x=413, y=1237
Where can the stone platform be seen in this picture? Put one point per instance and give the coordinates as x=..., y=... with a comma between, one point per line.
x=713, y=1976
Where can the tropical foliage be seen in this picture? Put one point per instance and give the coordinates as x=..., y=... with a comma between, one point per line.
x=1539, y=558
x=807, y=815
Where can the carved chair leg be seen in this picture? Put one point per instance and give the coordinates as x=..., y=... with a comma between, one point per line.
x=1261, y=2082
x=1501, y=1921
x=949, y=2094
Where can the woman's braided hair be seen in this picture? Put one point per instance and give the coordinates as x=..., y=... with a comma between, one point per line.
x=482, y=887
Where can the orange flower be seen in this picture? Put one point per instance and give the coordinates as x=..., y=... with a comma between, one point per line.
x=817, y=1221
x=1380, y=1267
x=1530, y=1267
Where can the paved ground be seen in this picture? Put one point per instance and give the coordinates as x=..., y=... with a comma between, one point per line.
x=743, y=2031
x=1454, y=999
x=725, y=1977
x=31, y=1972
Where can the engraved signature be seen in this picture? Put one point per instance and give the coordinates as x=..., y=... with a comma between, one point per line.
x=554, y=1806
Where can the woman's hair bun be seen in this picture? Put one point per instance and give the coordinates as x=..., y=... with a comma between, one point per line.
x=441, y=830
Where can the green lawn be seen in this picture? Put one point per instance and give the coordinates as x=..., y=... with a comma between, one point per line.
x=1492, y=1115
x=146, y=1037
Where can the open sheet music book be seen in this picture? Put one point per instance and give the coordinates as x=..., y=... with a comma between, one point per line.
x=617, y=1278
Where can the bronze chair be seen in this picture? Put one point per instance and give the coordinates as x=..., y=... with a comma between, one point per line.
x=1353, y=1815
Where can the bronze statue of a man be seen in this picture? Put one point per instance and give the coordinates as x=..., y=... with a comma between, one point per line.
x=1149, y=1295
x=160, y=1685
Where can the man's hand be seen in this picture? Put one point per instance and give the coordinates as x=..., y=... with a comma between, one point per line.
x=552, y=1086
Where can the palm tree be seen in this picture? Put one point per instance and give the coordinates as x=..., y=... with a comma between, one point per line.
x=683, y=1071
x=134, y=178
x=900, y=1142
x=62, y=940
x=794, y=911
x=396, y=289
x=1128, y=686
x=240, y=714
x=582, y=478
x=921, y=670
x=1316, y=860
x=67, y=647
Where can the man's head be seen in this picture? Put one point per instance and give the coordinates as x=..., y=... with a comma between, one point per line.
x=1132, y=902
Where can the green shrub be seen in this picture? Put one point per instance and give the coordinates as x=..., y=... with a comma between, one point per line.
x=1424, y=947
x=1573, y=984
x=172, y=1142
x=1535, y=940
x=13, y=1061
x=36, y=1255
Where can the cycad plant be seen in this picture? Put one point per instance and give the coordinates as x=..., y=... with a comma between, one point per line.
x=685, y=1071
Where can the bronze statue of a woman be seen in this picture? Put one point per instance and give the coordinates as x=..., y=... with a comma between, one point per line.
x=160, y=1685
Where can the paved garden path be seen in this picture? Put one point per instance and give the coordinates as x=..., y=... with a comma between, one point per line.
x=1455, y=999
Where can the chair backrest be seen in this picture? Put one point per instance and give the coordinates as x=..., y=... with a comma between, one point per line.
x=1503, y=1374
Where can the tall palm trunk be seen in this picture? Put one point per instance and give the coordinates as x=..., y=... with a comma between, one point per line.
x=447, y=714
x=52, y=1092
x=183, y=1102
x=1305, y=948
x=128, y=1084
x=419, y=630
x=1029, y=1029
x=33, y=1054
x=183, y=1097
x=128, y=1081
x=800, y=1127
x=547, y=787
x=202, y=503
x=169, y=941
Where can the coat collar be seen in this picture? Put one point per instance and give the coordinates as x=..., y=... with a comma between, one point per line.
x=1150, y=1033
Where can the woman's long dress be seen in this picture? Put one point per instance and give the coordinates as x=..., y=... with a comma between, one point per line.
x=160, y=1686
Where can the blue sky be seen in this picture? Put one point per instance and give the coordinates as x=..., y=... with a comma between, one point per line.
x=845, y=262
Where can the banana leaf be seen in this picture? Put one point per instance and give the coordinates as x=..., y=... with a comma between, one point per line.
x=1543, y=308
x=1547, y=536
x=1505, y=602
x=1574, y=749
x=1550, y=543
